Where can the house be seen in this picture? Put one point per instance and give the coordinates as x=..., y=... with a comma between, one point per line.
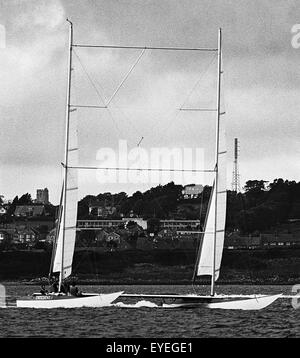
x=100, y=209
x=2, y=210
x=282, y=240
x=180, y=224
x=110, y=240
x=235, y=242
x=113, y=237
x=29, y=210
x=4, y=235
x=139, y=221
x=192, y=191
x=166, y=233
x=26, y=236
x=101, y=237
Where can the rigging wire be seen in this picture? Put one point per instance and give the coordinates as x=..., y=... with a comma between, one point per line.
x=207, y=49
x=142, y=169
x=121, y=84
x=97, y=91
x=89, y=78
x=96, y=83
x=126, y=76
x=198, y=81
x=178, y=112
x=113, y=104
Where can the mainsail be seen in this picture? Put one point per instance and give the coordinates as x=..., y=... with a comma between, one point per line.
x=67, y=225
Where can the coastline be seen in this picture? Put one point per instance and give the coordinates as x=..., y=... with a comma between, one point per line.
x=163, y=267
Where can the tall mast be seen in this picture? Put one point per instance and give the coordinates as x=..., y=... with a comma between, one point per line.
x=67, y=125
x=212, y=290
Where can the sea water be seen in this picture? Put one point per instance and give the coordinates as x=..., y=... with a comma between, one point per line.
x=142, y=318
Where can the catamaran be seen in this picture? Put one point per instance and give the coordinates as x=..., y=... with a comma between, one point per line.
x=63, y=248
x=210, y=250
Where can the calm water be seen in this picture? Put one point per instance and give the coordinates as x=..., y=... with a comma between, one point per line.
x=278, y=320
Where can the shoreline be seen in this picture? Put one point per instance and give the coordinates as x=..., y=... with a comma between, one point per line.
x=37, y=282
x=163, y=267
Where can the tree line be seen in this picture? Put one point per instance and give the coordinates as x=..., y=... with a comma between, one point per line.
x=260, y=206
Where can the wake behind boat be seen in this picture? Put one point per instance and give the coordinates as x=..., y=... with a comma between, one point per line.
x=236, y=302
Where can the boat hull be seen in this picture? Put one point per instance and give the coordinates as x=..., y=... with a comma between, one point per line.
x=229, y=302
x=52, y=301
x=250, y=304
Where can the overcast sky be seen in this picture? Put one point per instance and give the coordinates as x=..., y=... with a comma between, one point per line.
x=261, y=87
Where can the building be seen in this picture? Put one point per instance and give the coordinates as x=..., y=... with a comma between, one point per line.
x=42, y=196
x=141, y=222
x=180, y=224
x=2, y=210
x=26, y=236
x=4, y=235
x=102, y=209
x=280, y=241
x=29, y=210
x=192, y=191
x=98, y=224
x=164, y=224
x=236, y=242
x=264, y=241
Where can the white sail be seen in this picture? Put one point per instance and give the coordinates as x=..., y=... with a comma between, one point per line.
x=205, y=259
x=67, y=229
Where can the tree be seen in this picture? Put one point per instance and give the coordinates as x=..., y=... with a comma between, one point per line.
x=153, y=225
x=25, y=199
x=12, y=207
x=255, y=191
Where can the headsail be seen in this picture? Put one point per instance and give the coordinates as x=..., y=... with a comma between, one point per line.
x=67, y=227
x=211, y=250
x=57, y=223
x=205, y=259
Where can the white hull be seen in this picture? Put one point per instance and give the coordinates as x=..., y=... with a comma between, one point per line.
x=99, y=300
x=249, y=304
x=229, y=302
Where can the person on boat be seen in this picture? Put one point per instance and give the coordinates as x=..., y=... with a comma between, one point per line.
x=74, y=291
x=63, y=288
x=67, y=288
x=54, y=286
x=43, y=290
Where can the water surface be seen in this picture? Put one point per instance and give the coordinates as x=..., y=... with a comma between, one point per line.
x=278, y=320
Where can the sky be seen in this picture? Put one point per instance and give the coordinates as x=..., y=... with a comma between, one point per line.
x=260, y=87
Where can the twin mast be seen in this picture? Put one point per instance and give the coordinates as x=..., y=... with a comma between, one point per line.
x=208, y=257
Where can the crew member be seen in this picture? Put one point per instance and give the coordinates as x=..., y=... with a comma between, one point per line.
x=43, y=290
